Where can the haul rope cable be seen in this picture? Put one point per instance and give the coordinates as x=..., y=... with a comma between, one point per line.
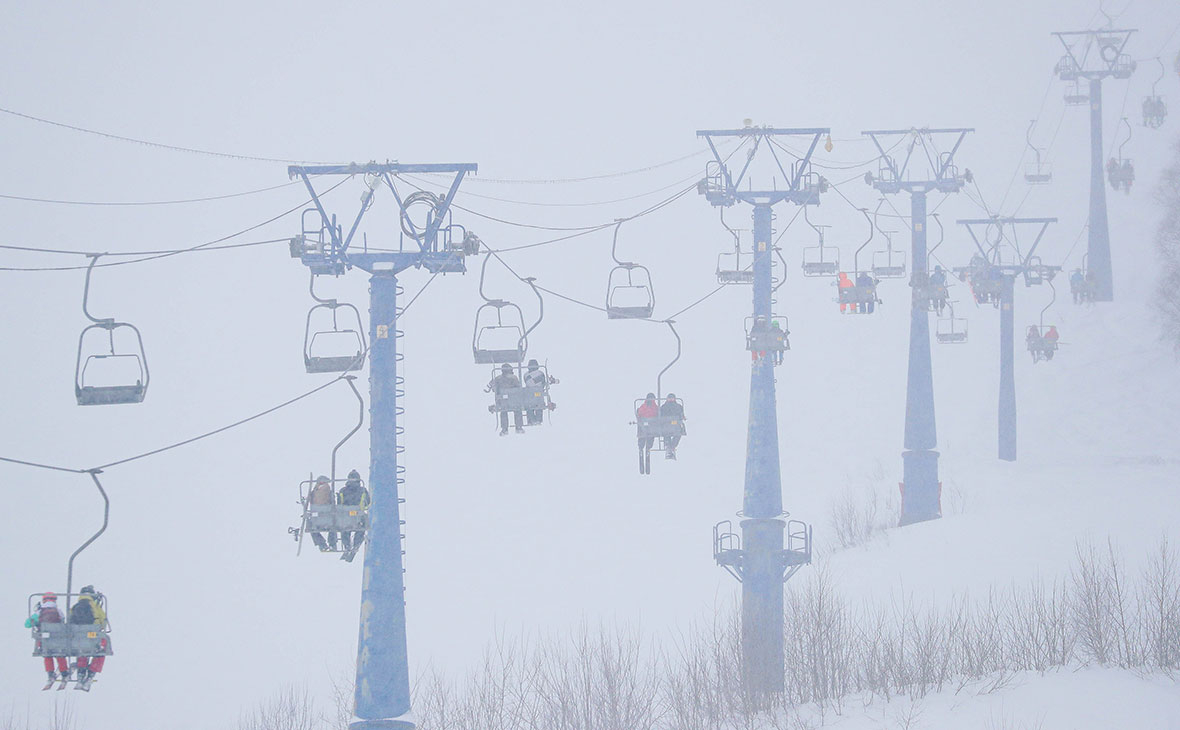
x=151, y=256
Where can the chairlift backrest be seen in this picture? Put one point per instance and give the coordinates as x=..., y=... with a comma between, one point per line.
x=341, y=348
x=131, y=389
x=502, y=339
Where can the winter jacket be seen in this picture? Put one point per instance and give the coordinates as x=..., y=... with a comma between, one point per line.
x=354, y=494
x=844, y=281
x=863, y=279
x=649, y=409
x=535, y=379
x=87, y=608
x=321, y=494
x=504, y=382
x=672, y=409
x=46, y=613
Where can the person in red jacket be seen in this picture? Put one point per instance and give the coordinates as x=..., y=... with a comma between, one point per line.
x=48, y=613
x=844, y=282
x=648, y=409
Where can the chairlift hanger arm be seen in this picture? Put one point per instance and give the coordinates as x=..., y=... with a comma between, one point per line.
x=360, y=422
x=105, y=322
x=311, y=289
x=660, y=377
x=106, y=515
x=872, y=230
x=941, y=235
x=614, y=244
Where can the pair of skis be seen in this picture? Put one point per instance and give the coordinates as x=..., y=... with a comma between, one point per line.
x=82, y=684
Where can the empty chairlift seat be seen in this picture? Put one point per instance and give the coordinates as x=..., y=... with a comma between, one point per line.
x=629, y=292
x=499, y=334
x=735, y=268
x=336, y=349
x=951, y=330
x=821, y=261
x=118, y=373
x=889, y=264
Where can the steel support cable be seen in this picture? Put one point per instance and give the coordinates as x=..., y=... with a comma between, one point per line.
x=248, y=244
x=152, y=256
x=159, y=145
x=604, y=176
x=1024, y=151
x=226, y=196
x=557, y=205
x=832, y=164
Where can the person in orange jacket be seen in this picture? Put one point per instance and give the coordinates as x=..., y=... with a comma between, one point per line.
x=844, y=283
x=648, y=409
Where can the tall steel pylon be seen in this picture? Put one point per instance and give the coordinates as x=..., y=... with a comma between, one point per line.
x=382, y=694
x=921, y=489
x=1034, y=272
x=1094, y=55
x=770, y=549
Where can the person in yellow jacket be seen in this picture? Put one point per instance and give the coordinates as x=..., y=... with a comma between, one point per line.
x=88, y=610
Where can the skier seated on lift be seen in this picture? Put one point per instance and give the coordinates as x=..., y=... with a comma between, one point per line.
x=534, y=377
x=1077, y=286
x=499, y=385
x=777, y=330
x=47, y=613
x=672, y=409
x=322, y=494
x=865, y=280
x=759, y=334
x=352, y=494
x=648, y=409
x=843, y=282
x=88, y=611
x=1051, y=338
x=938, y=281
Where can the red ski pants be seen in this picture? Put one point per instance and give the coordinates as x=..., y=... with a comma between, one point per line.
x=94, y=664
x=63, y=664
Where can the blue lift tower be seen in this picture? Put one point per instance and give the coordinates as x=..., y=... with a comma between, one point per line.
x=760, y=557
x=428, y=241
x=1091, y=56
x=995, y=280
x=920, y=489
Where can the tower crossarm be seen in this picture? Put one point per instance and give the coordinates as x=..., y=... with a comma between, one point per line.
x=1102, y=53
x=941, y=173
x=724, y=189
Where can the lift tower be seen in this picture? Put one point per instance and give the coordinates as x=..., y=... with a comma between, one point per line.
x=382, y=672
x=1094, y=55
x=758, y=557
x=920, y=496
x=1001, y=277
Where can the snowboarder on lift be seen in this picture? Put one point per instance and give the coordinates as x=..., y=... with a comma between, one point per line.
x=1051, y=338
x=88, y=611
x=47, y=613
x=776, y=329
x=865, y=281
x=534, y=377
x=353, y=493
x=321, y=494
x=648, y=409
x=938, y=280
x=1077, y=286
x=672, y=409
x=500, y=384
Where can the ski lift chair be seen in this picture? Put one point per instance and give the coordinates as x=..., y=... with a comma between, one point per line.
x=87, y=392
x=1067, y=69
x=660, y=428
x=334, y=351
x=762, y=334
x=1076, y=95
x=70, y=640
x=629, y=292
x=821, y=261
x=525, y=399
x=1124, y=67
x=1155, y=111
x=860, y=297
x=731, y=271
x=950, y=330
x=888, y=264
x=1040, y=346
x=502, y=340
x=1038, y=173
x=337, y=518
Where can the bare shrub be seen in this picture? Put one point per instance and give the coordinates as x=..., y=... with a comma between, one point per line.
x=291, y=708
